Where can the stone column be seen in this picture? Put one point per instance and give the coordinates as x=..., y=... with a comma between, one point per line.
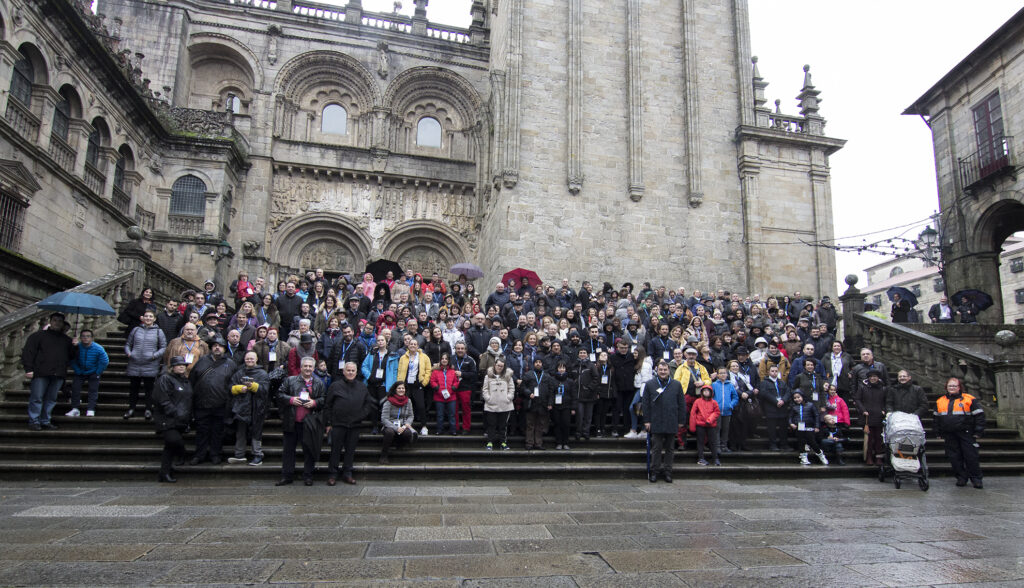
x=1009, y=375
x=8, y=55
x=635, y=101
x=47, y=98
x=78, y=137
x=742, y=22
x=131, y=257
x=108, y=159
x=750, y=171
x=691, y=102
x=419, y=18
x=574, y=161
x=853, y=303
x=354, y=12
x=825, y=260
x=513, y=95
x=978, y=271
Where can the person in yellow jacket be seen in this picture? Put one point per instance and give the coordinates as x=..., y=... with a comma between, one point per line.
x=691, y=375
x=414, y=369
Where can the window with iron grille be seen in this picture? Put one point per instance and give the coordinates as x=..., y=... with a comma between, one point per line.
x=916, y=289
x=988, y=128
x=939, y=285
x=188, y=196
x=61, y=119
x=877, y=300
x=119, y=173
x=21, y=81
x=1017, y=265
x=12, y=221
x=1019, y=296
x=92, y=151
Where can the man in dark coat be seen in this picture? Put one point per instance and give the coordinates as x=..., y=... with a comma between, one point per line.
x=250, y=393
x=211, y=400
x=664, y=415
x=289, y=305
x=347, y=404
x=478, y=337
x=300, y=400
x=45, y=357
x=172, y=409
x=867, y=362
x=906, y=396
x=941, y=311
x=900, y=309
x=775, y=396
x=827, y=315
x=348, y=349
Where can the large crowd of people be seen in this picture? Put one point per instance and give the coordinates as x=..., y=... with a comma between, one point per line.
x=545, y=361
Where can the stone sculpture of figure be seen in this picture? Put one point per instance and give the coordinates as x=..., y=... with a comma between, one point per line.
x=382, y=59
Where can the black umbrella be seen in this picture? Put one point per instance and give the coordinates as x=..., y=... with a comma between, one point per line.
x=381, y=267
x=981, y=299
x=904, y=294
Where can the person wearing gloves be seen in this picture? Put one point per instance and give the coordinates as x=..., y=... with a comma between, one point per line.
x=498, y=392
x=347, y=403
x=805, y=423
x=250, y=393
x=704, y=417
x=444, y=382
x=727, y=398
x=172, y=410
x=396, y=416
x=960, y=420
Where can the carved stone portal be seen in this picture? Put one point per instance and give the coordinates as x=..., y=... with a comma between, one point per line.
x=425, y=261
x=329, y=255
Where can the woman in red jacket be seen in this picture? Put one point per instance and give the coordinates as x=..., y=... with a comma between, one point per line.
x=704, y=422
x=444, y=382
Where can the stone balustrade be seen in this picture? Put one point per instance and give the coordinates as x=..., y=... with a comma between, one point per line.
x=22, y=120
x=94, y=179
x=191, y=226
x=62, y=154
x=122, y=201
x=786, y=122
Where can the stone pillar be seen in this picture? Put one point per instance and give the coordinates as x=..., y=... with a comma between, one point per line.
x=47, y=98
x=131, y=257
x=108, y=159
x=635, y=101
x=477, y=28
x=419, y=18
x=761, y=111
x=977, y=271
x=574, y=160
x=8, y=55
x=853, y=303
x=354, y=12
x=691, y=102
x=78, y=137
x=1009, y=375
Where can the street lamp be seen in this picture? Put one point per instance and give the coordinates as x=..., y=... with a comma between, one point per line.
x=929, y=238
x=223, y=250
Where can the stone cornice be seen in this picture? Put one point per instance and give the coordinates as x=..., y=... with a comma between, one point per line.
x=829, y=144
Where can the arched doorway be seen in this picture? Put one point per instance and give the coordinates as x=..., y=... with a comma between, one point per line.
x=425, y=247
x=982, y=268
x=320, y=240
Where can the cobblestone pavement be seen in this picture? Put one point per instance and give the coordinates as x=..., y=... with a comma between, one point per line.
x=513, y=533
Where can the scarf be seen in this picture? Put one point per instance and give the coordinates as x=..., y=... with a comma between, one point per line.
x=394, y=400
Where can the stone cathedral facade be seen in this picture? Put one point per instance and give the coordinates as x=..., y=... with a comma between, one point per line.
x=622, y=140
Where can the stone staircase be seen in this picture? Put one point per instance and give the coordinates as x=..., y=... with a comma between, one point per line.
x=107, y=446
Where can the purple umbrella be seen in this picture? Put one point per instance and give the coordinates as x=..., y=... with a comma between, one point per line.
x=467, y=269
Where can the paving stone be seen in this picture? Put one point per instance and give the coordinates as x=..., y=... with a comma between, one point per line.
x=429, y=548
x=91, y=511
x=601, y=530
x=198, y=551
x=756, y=557
x=847, y=553
x=553, y=507
x=689, y=527
x=775, y=525
x=565, y=545
x=941, y=572
x=433, y=534
x=549, y=582
x=38, y=536
x=506, y=565
x=86, y=573
x=770, y=577
x=304, y=521
x=463, y=491
x=652, y=560
x=768, y=539
x=396, y=520
x=510, y=532
x=310, y=550
x=696, y=541
x=212, y=572
x=343, y=570
x=981, y=548
x=658, y=579
x=92, y=536
x=526, y=518
x=155, y=522
x=638, y=516
x=217, y=521
x=65, y=553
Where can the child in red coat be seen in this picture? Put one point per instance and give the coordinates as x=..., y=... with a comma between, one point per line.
x=444, y=382
x=704, y=422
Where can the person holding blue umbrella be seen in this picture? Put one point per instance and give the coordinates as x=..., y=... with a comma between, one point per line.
x=45, y=357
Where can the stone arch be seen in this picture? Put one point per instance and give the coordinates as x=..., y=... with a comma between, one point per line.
x=421, y=243
x=70, y=93
x=216, y=69
x=1002, y=218
x=40, y=66
x=304, y=234
x=442, y=94
x=309, y=70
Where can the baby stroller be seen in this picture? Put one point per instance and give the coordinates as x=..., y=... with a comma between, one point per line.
x=903, y=436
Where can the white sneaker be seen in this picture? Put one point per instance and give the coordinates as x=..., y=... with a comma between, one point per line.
x=90, y=413
x=804, y=460
x=423, y=432
x=630, y=435
x=822, y=458
x=73, y=413
x=237, y=460
x=641, y=435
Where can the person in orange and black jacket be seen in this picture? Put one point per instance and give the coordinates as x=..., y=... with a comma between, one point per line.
x=960, y=420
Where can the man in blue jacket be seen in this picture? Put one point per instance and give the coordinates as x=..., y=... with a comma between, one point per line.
x=45, y=357
x=90, y=361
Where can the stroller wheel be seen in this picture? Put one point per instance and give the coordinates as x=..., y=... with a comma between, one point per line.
x=881, y=474
x=923, y=483
x=896, y=482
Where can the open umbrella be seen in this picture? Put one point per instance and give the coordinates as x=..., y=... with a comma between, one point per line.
x=519, y=273
x=981, y=299
x=904, y=294
x=381, y=267
x=76, y=303
x=469, y=270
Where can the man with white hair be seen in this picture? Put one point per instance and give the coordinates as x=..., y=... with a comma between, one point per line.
x=300, y=400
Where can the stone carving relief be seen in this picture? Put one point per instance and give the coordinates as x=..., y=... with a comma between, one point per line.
x=328, y=255
x=383, y=59
x=252, y=248
x=424, y=260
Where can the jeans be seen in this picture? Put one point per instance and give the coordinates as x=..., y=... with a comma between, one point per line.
x=242, y=432
x=637, y=397
x=445, y=414
x=342, y=438
x=76, y=390
x=291, y=439
x=584, y=415
x=43, y=397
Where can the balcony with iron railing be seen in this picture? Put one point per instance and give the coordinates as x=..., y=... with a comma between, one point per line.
x=22, y=120
x=992, y=161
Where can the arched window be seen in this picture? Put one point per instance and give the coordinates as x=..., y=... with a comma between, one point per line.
x=895, y=272
x=188, y=196
x=22, y=79
x=92, y=151
x=334, y=120
x=61, y=119
x=428, y=132
x=119, y=172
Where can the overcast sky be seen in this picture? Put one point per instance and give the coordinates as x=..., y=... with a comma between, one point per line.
x=870, y=60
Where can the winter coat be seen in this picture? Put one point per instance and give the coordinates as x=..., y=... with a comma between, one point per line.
x=444, y=379
x=771, y=394
x=809, y=385
x=843, y=378
x=294, y=363
x=47, y=353
x=806, y=413
x=704, y=413
x=423, y=373
x=90, y=360
x=907, y=397
x=603, y=390
x=144, y=348
x=870, y=398
x=348, y=403
x=268, y=316
x=539, y=382
x=372, y=362
x=281, y=351
x=623, y=371
x=209, y=379
x=498, y=391
x=344, y=352
x=172, y=402
x=797, y=368
x=170, y=324
x=564, y=386
x=487, y=359
x=726, y=396
x=666, y=412
x=287, y=308
x=177, y=347
x=249, y=406
x=389, y=413
x=859, y=373
x=683, y=375
x=837, y=407
x=325, y=346
x=959, y=414
x=434, y=350
x=313, y=432
x=477, y=339
x=470, y=373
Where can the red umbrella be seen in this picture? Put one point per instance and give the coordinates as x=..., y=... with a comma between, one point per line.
x=519, y=273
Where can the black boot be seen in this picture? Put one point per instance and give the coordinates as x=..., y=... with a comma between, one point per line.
x=839, y=458
x=166, y=478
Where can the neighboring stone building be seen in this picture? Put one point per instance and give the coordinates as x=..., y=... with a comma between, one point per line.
x=974, y=112
x=560, y=135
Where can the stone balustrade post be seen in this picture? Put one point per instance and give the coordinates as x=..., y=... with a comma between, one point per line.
x=132, y=257
x=1009, y=376
x=853, y=303
x=354, y=12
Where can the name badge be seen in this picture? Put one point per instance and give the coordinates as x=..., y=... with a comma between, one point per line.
x=303, y=395
x=536, y=391
x=380, y=373
x=632, y=348
x=341, y=363
x=272, y=356
x=604, y=379
x=397, y=424
x=411, y=378
x=665, y=354
x=188, y=358
x=801, y=427
x=558, y=399
x=445, y=394
x=593, y=357
x=814, y=397
x=660, y=390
